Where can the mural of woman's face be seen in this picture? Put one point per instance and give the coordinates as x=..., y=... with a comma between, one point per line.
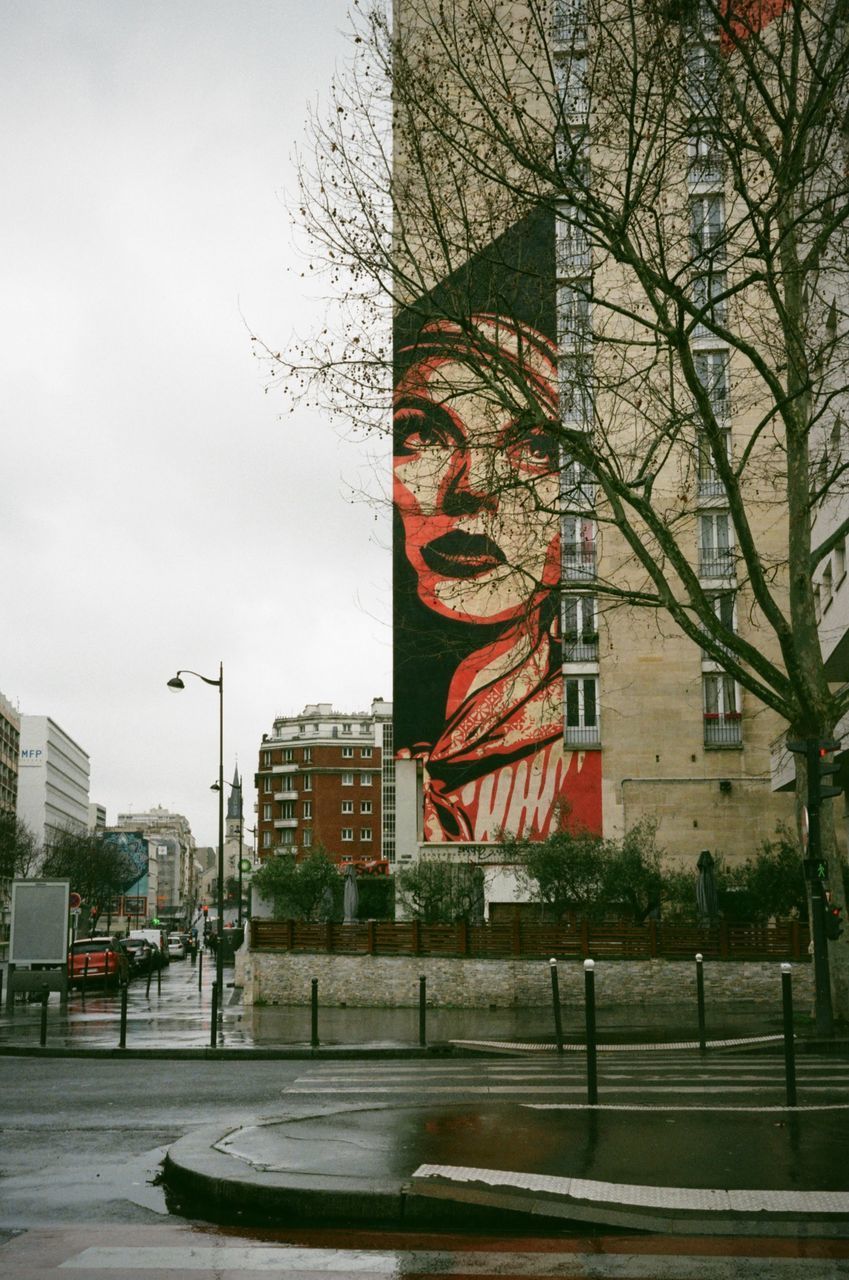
x=476, y=487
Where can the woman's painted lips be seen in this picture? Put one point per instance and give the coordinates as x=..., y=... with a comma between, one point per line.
x=462, y=555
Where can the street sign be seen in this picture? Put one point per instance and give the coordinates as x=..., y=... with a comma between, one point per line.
x=76, y=901
x=816, y=869
x=76, y=912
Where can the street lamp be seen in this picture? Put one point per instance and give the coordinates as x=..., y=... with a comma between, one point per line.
x=234, y=787
x=177, y=683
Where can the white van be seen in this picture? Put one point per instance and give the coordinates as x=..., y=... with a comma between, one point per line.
x=155, y=936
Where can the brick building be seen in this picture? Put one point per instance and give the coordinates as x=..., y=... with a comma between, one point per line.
x=324, y=780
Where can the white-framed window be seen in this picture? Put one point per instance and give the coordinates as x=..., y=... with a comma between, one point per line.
x=570, y=22
x=703, y=79
x=347, y=728
x=287, y=836
x=347, y=833
x=365, y=833
x=306, y=782
x=266, y=759
x=365, y=806
x=287, y=809
x=578, y=547
x=710, y=484
x=268, y=784
x=266, y=839
x=827, y=586
x=307, y=808
x=723, y=727
x=707, y=291
x=572, y=244
x=366, y=753
x=576, y=389
x=306, y=837
x=580, y=629
x=347, y=753
x=705, y=161
x=712, y=371
x=366, y=779
x=307, y=755
x=839, y=562
x=266, y=812
x=302, y=728
x=574, y=318
x=347, y=806
x=716, y=550
x=288, y=755
x=573, y=87
x=582, y=718
x=347, y=779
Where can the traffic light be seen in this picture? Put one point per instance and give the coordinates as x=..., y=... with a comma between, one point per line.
x=826, y=768
x=833, y=921
x=206, y=910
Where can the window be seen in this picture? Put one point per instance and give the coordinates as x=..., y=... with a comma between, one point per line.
x=267, y=784
x=288, y=755
x=710, y=484
x=287, y=836
x=581, y=710
x=576, y=403
x=580, y=629
x=302, y=728
x=573, y=313
x=365, y=833
x=266, y=839
x=716, y=555
x=366, y=753
x=266, y=812
x=570, y=21
x=708, y=225
x=572, y=245
x=307, y=755
x=721, y=711
x=306, y=781
x=346, y=728
x=347, y=806
x=306, y=837
x=365, y=779
x=578, y=547
x=266, y=759
x=287, y=809
x=704, y=157
x=703, y=79
x=347, y=833
x=347, y=779
x=347, y=753
x=308, y=808
x=707, y=291
x=572, y=88
x=840, y=562
x=827, y=586
x=365, y=806
x=712, y=371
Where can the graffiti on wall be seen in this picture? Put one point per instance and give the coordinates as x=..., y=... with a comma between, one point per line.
x=478, y=691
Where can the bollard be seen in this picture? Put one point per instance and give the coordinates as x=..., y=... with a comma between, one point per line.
x=700, y=999
x=149, y=976
x=789, y=1049
x=159, y=981
x=589, y=999
x=555, y=996
x=1, y=988
x=122, y=1038
x=200, y=970
x=213, y=1021
x=193, y=954
x=44, y=996
x=423, y=1010
x=314, y=1010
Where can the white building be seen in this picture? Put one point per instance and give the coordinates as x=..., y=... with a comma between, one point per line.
x=53, y=780
x=172, y=887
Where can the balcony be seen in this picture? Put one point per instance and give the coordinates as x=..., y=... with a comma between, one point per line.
x=290, y=767
x=289, y=794
x=723, y=729
x=582, y=735
x=716, y=562
x=579, y=561
x=285, y=824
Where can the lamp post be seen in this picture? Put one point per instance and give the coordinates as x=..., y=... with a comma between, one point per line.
x=177, y=683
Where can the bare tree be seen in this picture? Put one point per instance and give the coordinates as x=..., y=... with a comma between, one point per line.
x=695, y=158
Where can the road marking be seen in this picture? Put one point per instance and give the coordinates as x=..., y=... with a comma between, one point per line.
x=378, y=1089
x=635, y=1106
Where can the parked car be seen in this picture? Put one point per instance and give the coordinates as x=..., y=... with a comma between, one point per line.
x=140, y=954
x=97, y=960
x=176, y=946
x=156, y=938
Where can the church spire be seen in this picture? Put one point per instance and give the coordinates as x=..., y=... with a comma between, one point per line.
x=234, y=800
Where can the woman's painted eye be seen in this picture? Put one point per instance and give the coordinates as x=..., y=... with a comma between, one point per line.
x=534, y=448
x=416, y=429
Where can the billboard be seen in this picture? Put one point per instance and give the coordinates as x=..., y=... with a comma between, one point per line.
x=39, y=932
x=133, y=845
x=478, y=686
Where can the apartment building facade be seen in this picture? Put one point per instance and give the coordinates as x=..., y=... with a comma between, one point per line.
x=325, y=779
x=171, y=887
x=576, y=705
x=53, y=780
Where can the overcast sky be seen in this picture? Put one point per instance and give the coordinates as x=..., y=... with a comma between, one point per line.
x=158, y=509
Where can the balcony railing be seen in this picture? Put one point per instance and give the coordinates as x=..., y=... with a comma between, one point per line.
x=289, y=794
x=716, y=562
x=723, y=729
x=579, y=562
x=582, y=735
x=283, y=824
x=580, y=648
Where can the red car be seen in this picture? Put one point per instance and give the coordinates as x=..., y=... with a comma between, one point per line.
x=97, y=960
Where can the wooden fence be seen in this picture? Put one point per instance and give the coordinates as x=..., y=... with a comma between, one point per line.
x=522, y=940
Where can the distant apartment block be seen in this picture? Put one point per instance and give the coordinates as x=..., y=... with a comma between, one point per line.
x=10, y=738
x=326, y=779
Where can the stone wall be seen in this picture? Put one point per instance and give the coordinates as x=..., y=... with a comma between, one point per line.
x=279, y=977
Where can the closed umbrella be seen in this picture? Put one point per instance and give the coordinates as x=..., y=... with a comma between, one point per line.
x=707, y=899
